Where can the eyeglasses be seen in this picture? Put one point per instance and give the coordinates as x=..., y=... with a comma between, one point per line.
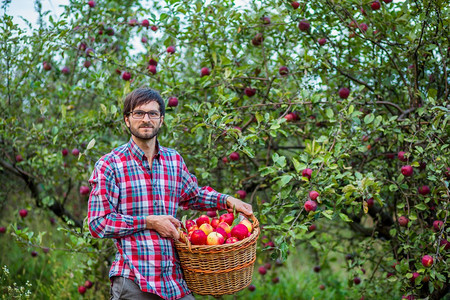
x=140, y=114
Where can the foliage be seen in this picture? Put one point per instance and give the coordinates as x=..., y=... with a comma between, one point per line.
x=392, y=60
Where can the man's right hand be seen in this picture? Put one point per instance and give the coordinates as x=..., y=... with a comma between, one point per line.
x=165, y=225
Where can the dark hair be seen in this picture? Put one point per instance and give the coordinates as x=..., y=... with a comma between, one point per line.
x=140, y=97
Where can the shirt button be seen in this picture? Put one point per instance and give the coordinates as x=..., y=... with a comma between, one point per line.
x=155, y=202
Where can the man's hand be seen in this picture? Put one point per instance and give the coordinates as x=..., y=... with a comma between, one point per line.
x=165, y=225
x=240, y=206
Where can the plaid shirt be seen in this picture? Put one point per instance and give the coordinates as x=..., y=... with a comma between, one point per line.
x=126, y=189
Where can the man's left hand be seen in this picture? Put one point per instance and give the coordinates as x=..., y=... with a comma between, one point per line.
x=240, y=206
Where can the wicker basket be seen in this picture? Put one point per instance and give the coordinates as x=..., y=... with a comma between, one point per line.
x=218, y=270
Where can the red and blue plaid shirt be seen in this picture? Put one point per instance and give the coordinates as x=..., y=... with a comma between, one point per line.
x=126, y=189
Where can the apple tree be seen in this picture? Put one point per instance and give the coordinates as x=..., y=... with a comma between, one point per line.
x=332, y=113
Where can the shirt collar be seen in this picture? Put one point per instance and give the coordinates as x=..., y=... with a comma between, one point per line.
x=139, y=153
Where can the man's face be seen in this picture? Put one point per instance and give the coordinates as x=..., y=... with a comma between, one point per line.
x=145, y=128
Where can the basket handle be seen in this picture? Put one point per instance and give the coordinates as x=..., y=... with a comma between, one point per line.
x=184, y=239
x=254, y=220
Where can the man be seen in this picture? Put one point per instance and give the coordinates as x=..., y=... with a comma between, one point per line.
x=136, y=190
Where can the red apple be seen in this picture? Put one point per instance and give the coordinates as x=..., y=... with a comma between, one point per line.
x=87, y=64
x=310, y=205
x=205, y=71
x=375, y=5
x=91, y=5
x=251, y=288
x=198, y=237
x=414, y=276
x=262, y=270
x=222, y=231
x=427, y=261
x=239, y=231
x=407, y=170
x=401, y=156
x=23, y=213
x=152, y=62
x=357, y=280
x=316, y=269
x=242, y=194
x=75, y=152
x=152, y=69
x=154, y=28
x=445, y=243
x=88, y=284
x=295, y=5
x=170, y=49
x=231, y=240
x=424, y=190
x=47, y=66
x=307, y=173
x=211, y=214
x=304, y=25
x=313, y=195
x=206, y=228
x=387, y=1
x=84, y=190
x=447, y=173
x=19, y=158
x=82, y=288
x=322, y=41
x=224, y=159
x=132, y=22
x=312, y=227
x=258, y=39
x=173, y=101
x=275, y=280
x=234, y=156
x=203, y=219
x=438, y=225
x=247, y=224
x=126, y=76
x=265, y=20
x=215, y=222
x=145, y=23
x=344, y=93
x=192, y=229
x=249, y=91
x=403, y=221
x=283, y=71
x=370, y=202
x=227, y=218
x=363, y=27
x=2, y=229
x=189, y=224
x=214, y=238
x=65, y=70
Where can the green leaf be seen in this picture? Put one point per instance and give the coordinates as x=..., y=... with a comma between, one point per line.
x=328, y=214
x=91, y=144
x=344, y=217
x=288, y=219
x=329, y=112
x=421, y=206
x=369, y=118
x=285, y=180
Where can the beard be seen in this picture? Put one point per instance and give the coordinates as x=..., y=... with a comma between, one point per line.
x=144, y=136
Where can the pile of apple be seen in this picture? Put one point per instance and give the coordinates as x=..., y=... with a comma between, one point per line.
x=217, y=231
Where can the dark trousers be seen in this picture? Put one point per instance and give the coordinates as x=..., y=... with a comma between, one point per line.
x=126, y=289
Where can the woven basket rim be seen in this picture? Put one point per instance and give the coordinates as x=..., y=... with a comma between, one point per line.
x=220, y=248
